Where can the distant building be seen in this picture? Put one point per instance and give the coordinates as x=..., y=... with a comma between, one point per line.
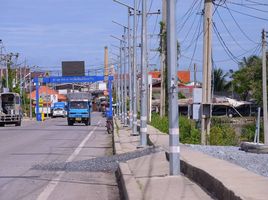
x=183, y=76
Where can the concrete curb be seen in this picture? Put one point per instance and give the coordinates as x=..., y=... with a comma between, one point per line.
x=211, y=184
x=219, y=186
x=127, y=182
x=129, y=185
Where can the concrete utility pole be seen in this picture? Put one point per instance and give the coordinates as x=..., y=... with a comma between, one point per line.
x=264, y=87
x=106, y=65
x=206, y=87
x=130, y=72
x=31, y=107
x=118, y=90
x=125, y=78
x=163, y=61
x=144, y=77
x=173, y=114
x=195, y=75
x=121, y=84
x=134, y=72
x=8, y=61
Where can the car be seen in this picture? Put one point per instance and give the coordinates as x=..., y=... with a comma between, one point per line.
x=59, y=112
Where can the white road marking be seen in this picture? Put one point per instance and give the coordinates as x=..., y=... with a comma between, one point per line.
x=54, y=182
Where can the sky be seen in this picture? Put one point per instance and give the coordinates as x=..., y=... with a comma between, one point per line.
x=47, y=32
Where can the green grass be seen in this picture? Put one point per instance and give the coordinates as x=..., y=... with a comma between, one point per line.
x=188, y=132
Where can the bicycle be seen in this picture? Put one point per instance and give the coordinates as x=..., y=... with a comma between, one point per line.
x=110, y=125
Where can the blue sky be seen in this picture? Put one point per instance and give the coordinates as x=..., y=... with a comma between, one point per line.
x=46, y=32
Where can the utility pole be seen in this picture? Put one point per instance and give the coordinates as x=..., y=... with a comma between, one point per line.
x=130, y=66
x=125, y=78
x=173, y=114
x=264, y=87
x=121, y=84
x=144, y=77
x=31, y=112
x=106, y=65
x=134, y=72
x=163, y=60
x=206, y=87
x=118, y=90
x=194, y=75
x=8, y=61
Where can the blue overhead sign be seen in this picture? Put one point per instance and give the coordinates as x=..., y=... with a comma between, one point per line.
x=72, y=79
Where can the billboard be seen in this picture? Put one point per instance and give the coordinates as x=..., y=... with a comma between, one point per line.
x=73, y=68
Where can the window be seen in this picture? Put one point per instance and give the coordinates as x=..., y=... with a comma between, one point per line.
x=78, y=105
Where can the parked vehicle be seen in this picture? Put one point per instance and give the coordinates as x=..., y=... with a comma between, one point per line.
x=10, y=109
x=79, y=108
x=59, y=112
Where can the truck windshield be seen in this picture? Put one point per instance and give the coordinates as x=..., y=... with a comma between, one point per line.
x=78, y=105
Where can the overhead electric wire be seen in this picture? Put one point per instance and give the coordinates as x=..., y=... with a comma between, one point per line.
x=257, y=3
x=223, y=44
x=190, y=29
x=196, y=35
x=190, y=10
x=249, y=7
x=239, y=27
x=242, y=13
x=253, y=52
x=195, y=47
x=228, y=31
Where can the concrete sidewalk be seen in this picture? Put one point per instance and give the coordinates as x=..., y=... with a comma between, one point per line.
x=221, y=178
x=146, y=178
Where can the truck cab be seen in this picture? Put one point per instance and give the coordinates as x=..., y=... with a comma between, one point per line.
x=79, y=109
x=10, y=109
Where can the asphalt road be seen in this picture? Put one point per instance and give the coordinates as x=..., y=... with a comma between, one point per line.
x=31, y=153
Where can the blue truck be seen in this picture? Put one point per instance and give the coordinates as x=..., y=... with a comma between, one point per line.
x=79, y=108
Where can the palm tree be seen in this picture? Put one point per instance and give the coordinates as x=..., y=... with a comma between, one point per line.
x=219, y=80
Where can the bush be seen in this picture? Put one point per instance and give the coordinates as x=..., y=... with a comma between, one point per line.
x=223, y=135
x=188, y=132
x=248, y=133
x=160, y=123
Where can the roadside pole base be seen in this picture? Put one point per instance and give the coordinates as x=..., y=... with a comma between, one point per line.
x=252, y=147
x=141, y=146
x=134, y=134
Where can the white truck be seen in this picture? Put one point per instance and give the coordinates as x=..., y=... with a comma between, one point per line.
x=10, y=109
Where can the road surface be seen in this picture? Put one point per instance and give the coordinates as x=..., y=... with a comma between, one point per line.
x=32, y=157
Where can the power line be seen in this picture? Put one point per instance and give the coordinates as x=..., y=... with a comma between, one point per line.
x=223, y=44
x=226, y=28
x=195, y=46
x=257, y=3
x=190, y=29
x=242, y=13
x=198, y=33
x=188, y=14
x=239, y=27
x=249, y=7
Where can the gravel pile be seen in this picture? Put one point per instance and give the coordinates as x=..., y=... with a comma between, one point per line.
x=257, y=163
x=101, y=164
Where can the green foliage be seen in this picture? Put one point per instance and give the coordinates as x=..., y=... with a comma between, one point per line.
x=188, y=132
x=161, y=123
x=223, y=135
x=220, y=82
x=181, y=96
x=247, y=81
x=248, y=133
